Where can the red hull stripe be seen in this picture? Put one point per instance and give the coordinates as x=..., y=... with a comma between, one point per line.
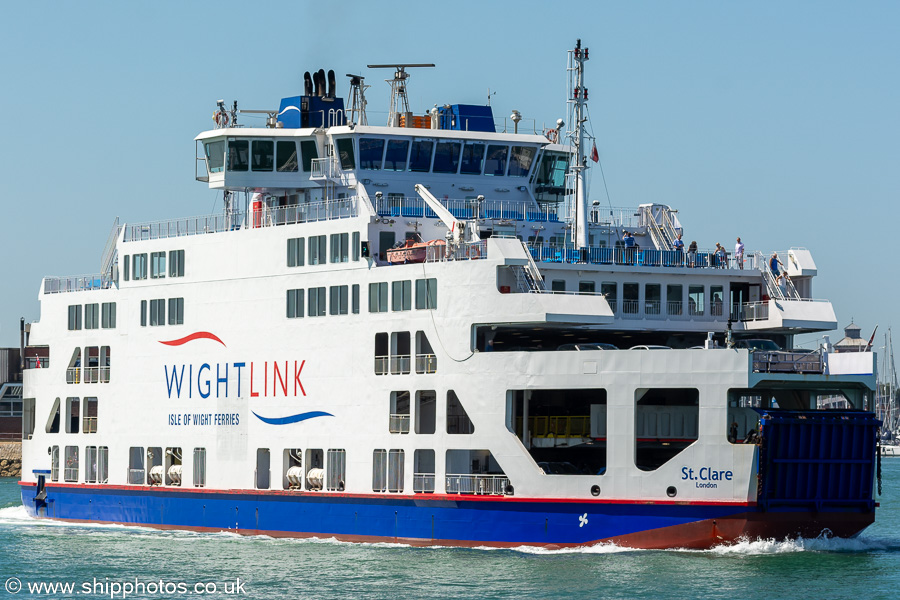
x=418, y=497
x=200, y=335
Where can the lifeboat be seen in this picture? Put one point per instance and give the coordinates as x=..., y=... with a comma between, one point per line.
x=412, y=251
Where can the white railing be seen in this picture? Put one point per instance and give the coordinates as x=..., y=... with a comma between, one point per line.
x=399, y=423
x=462, y=251
x=752, y=311
x=136, y=476
x=423, y=482
x=73, y=374
x=674, y=308
x=426, y=363
x=494, y=485
x=90, y=425
x=400, y=364
x=77, y=283
x=497, y=210
x=381, y=365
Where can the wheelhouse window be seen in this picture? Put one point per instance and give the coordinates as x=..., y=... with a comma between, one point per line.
x=446, y=157
x=345, y=153
x=396, y=155
x=215, y=156
x=157, y=265
x=472, y=159
x=420, y=156
x=263, y=157
x=308, y=151
x=520, y=160
x=286, y=157
x=371, y=152
x=238, y=155
x=495, y=164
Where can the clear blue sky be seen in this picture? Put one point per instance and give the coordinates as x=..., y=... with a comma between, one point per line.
x=775, y=121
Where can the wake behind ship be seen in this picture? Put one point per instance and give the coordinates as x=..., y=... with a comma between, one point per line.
x=424, y=332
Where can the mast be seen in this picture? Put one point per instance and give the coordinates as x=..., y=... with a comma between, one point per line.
x=578, y=96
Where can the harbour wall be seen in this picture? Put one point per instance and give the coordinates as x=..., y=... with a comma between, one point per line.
x=10, y=459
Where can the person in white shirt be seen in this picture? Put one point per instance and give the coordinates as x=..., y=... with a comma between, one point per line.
x=739, y=253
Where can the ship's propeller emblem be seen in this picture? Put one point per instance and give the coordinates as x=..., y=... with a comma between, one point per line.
x=582, y=520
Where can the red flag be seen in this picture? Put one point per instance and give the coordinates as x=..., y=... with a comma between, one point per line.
x=594, y=155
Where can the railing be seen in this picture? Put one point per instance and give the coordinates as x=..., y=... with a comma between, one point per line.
x=400, y=364
x=54, y=473
x=77, y=283
x=71, y=474
x=423, y=483
x=752, y=311
x=559, y=426
x=91, y=374
x=426, y=363
x=630, y=307
x=674, y=308
x=73, y=375
x=326, y=168
x=104, y=374
x=136, y=476
x=381, y=365
x=628, y=256
x=399, y=423
x=651, y=307
x=493, y=485
x=465, y=209
x=343, y=208
x=788, y=362
x=89, y=424
x=31, y=362
x=462, y=251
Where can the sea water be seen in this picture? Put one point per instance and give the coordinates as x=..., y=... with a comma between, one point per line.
x=108, y=561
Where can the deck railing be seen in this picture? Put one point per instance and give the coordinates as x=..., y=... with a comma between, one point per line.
x=77, y=283
x=788, y=362
x=638, y=257
x=399, y=423
x=426, y=363
x=423, y=482
x=495, y=485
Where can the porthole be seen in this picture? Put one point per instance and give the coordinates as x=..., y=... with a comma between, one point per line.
x=671, y=492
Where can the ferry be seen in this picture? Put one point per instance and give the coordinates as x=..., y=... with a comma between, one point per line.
x=543, y=370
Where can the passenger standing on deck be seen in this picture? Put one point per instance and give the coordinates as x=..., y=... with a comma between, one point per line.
x=739, y=254
x=774, y=263
x=678, y=246
x=628, y=239
x=721, y=256
x=692, y=254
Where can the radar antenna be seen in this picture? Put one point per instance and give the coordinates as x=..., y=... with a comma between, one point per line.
x=358, y=99
x=399, y=99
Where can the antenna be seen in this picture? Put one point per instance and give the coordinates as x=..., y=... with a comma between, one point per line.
x=358, y=99
x=578, y=95
x=399, y=99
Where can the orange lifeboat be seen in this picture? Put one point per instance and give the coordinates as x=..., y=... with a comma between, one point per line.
x=412, y=251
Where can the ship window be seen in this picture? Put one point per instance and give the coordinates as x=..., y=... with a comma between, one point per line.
x=345, y=152
x=263, y=157
x=426, y=293
x=551, y=176
x=355, y=301
x=89, y=421
x=400, y=353
x=317, y=251
x=287, y=157
x=108, y=315
x=336, y=471
x=446, y=157
x=295, y=252
x=716, y=294
x=143, y=313
x=378, y=297
x=630, y=293
x=399, y=414
x=379, y=471
x=420, y=156
x=157, y=312
x=199, y=467
x=215, y=156
x=74, y=317
x=423, y=471
x=316, y=302
x=308, y=151
x=339, y=247
x=90, y=464
x=396, y=460
x=474, y=472
x=314, y=472
x=263, y=471
x=401, y=295
x=520, y=160
x=176, y=263
x=472, y=158
x=127, y=264
x=28, y=418
x=426, y=361
x=652, y=297
x=292, y=472
x=558, y=285
x=136, y=465
x=176, y=311
x=139, y=266
x=71, y=472
x=294, y=304
x=154, y=459
x=104, y=364
x=457, y=418
x=157, y=265
x=73, y=371
x=696, y=300
x=674, y=303
x=586, y=287
x=381, y=353
x=73, y=414
x=91, y=364
x=396, y=154
x=53, y=419
x=371, y=151
x=103, y=464
x=173, y=466
x=92, y=316
x=54, y=463
x=354, y=246
x=238, y=155
x=426, y=411
x=495, y=164
x=338, y=304
x=665, y=423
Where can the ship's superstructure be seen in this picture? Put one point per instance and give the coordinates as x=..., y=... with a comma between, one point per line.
x=526, y=368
